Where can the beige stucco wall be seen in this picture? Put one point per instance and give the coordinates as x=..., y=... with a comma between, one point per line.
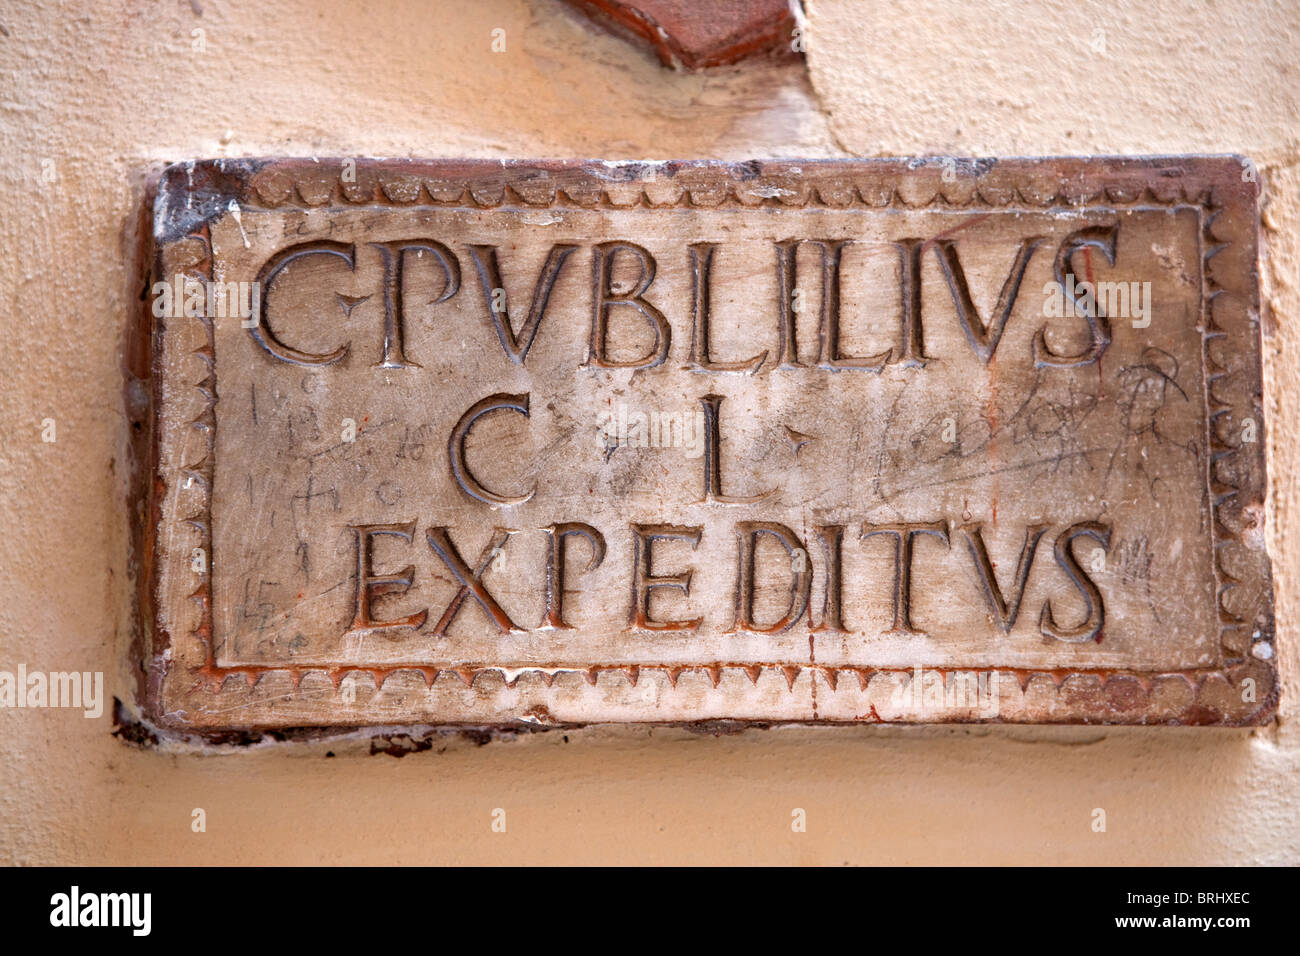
x=106, y=91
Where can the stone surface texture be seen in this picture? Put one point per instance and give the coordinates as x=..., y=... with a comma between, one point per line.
x=369, y=486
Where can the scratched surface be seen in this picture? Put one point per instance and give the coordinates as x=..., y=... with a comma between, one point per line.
x=457, y=470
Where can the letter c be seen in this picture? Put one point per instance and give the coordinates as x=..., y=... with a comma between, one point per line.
x=261, y=330
x=456, y=448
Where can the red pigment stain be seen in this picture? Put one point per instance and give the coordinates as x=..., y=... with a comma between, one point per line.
x=991, y=414
x=973, y=221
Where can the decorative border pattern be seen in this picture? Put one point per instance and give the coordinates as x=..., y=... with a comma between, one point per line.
x=193, y=195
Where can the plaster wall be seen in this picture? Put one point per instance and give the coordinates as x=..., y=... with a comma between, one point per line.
x=102, y=92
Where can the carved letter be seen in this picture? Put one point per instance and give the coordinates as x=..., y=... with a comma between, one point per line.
x=394, y=257
x=456, y=448
x=1003, y=610
x=644, y=580
x=713, y=457
x=489, y=273
x=604, y=299
x=912, y=351
x=747, y=533
x=261, y=329
x=983, y=337
x=829, y=357
x=556, y=536
x=832, y=540
x=904, y=536
x=1098, y=237
x=1095, y=618
x=470, y=583
x=787, y=349
x=371, y=586
x=701, y=283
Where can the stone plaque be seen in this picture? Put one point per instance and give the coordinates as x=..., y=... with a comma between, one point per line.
x=490, y=443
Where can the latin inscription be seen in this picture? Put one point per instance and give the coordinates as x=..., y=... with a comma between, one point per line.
x=517, y=439
x=504, y=339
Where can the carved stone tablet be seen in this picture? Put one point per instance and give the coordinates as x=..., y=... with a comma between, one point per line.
x=486, y=443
